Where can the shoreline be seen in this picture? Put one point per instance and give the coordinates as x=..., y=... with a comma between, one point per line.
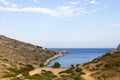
x=52, y=58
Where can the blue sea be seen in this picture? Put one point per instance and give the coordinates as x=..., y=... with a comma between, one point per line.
x=79, y=55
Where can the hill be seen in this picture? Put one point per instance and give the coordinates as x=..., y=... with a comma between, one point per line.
x=106, y=67
x=14, y=53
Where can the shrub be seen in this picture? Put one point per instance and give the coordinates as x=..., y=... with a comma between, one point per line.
x=99, y=65
x=7, y=75
x=47, y=75
x=69, y=71
x=78, y=78
x=78, y=70
x=117, y=64
x=41, y=65
x=108, y=66
x=72, y=65
x=56, y=65
x=16, y=79
x=22, y=70
x=36, y=77
x=105, y=76
x=26, y=69
x=14, y=70
x=77, y=65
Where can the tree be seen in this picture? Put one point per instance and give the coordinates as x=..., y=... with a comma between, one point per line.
x=72, y=66
x=56, y=65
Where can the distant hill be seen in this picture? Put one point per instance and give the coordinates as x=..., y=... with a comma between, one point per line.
x=106, y=67
x=16, y=53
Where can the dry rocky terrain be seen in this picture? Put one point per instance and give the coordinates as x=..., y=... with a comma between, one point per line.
x=21, y=61
x=106, y=67
x=14, y=53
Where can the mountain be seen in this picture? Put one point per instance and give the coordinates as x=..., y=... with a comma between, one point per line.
x=14, y=53
x=106, y=67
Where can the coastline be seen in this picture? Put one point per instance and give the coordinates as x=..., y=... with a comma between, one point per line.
x=54, y=70
x=52, y=58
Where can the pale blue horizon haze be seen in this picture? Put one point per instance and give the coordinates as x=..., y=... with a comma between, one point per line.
x=62, y=23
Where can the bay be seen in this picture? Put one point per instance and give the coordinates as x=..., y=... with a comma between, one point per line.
x=78, y=55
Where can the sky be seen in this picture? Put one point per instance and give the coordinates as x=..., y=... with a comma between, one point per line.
x=62, y=23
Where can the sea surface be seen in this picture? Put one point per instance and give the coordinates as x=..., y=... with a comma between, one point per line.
x=78, y=55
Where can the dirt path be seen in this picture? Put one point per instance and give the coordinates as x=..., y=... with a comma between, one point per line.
x=87, y=74
x=54, y=70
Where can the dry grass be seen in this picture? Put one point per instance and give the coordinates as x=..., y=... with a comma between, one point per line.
x=17, y=54
x=106, y=67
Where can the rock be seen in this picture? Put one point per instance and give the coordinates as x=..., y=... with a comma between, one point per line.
x=118, y=48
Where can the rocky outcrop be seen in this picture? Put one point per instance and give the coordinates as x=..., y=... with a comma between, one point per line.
x=118, y=48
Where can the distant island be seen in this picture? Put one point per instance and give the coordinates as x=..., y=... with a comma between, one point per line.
x=63, y=51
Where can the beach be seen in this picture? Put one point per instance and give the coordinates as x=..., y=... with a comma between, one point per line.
x=52, y=58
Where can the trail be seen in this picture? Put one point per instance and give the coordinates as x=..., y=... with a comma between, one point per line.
x=54, y=70
x=87, y=74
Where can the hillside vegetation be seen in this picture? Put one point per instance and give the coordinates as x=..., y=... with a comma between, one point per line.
x=21, y=61
x=106, y=67
x=14, y=53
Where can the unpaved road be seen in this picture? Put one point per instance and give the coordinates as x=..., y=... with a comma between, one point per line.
x=54, y=70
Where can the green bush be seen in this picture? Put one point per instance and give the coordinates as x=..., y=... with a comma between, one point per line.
x=36, y=77
x=23, y=70
x=78, y=69
x=78, y=78
x=69, y=71
x=105, y=76
x=26, y=69
x=117, y=64
x=47, y=75
x=99, y=65
x=77, y=65
x=7, y=75
x=72, y=66
x=108, y=66
x=41, y=65
x=16, y=79
x=15, y=71
x=56, y=65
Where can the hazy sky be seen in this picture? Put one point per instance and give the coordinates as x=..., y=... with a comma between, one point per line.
x=62, y=23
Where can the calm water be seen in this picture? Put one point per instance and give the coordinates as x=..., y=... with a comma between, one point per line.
x=79, y=55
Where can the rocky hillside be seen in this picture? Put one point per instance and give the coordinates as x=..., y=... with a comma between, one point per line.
x=17, y=53
x=106, y=67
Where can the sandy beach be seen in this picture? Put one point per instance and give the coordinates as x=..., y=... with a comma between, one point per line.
x=52, y=58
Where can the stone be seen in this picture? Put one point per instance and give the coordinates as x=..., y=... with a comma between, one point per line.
x=118, y=48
